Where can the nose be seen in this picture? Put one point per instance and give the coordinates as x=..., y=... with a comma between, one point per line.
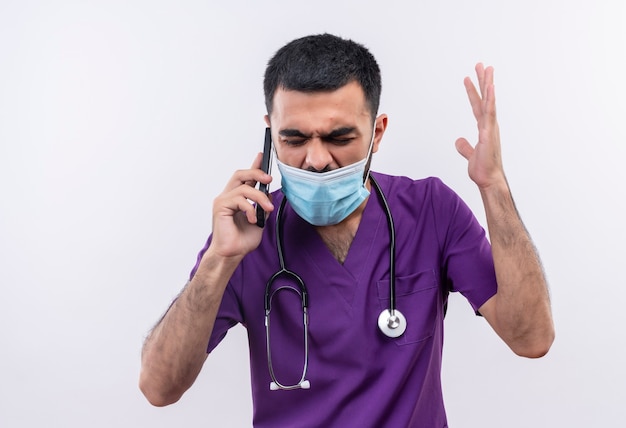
x=318, y=158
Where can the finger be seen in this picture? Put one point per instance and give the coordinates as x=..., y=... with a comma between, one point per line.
x=256, y=164
x=247, y=208
x=464, y=148
x=242, y=199
x=490, y=95
x=480, y=75
x=249, y=177
x=254, y=196
x=261, y=199
x=243, y=207
x=474, y=98
x=488, y=83
x=488, y=76
x=490, y=102
x=250, y=212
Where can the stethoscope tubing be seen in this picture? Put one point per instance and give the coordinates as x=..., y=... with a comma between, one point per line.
x=302, y=292
x=391, y=321
x=392, y=247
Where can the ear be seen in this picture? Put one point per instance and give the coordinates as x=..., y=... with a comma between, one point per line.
x=381, y=126
x=267, y=120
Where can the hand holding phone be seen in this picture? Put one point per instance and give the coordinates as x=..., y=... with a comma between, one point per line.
x=265, y=166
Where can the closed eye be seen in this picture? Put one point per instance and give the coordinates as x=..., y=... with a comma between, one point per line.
x=293, y=137
x=340, y=136
x=339, y=141
x=294, y=141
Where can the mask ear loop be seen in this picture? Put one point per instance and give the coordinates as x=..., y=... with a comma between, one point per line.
x=368, y=164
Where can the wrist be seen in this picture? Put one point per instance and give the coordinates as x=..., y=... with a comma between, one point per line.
x=497, y=198
x=214, y=270
x=213, y=260
x=496, y=186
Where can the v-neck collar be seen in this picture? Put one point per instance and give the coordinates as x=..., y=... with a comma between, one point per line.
x=344, y=277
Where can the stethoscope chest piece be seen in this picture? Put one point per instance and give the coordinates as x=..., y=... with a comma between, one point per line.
x=392, y=325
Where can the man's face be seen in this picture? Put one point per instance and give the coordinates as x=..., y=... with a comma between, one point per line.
x=322, y=131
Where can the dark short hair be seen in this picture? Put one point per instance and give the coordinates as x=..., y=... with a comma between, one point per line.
x=320, y=63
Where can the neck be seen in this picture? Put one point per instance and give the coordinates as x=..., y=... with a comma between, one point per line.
x=338, y=237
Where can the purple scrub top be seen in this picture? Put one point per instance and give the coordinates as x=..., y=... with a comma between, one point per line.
x=359, y=377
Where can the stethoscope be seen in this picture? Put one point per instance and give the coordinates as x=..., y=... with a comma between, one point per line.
x=390, y=321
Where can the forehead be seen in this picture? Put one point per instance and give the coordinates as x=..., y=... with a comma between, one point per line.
x=296, y=109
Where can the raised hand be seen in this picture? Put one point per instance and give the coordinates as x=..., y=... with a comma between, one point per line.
x=484, y=159
x=520, y=311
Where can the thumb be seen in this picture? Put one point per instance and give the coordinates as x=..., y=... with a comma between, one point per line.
x=464, y=148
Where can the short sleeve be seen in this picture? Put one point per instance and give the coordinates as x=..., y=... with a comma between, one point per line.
x=467, y=258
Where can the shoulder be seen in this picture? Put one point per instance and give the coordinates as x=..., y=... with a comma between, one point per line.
x=401, y=187
x=427, y=199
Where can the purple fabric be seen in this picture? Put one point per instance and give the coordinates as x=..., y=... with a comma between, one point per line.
x=359, y=377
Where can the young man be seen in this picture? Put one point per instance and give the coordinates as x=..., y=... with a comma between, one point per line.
x=359, y=341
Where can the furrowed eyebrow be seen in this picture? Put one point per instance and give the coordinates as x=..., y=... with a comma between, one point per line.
x=340, y=132
x=292, y=133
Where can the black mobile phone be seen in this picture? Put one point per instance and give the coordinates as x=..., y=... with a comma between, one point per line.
x=265, y=166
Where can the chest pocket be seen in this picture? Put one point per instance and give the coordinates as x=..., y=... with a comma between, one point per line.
x=418, y=298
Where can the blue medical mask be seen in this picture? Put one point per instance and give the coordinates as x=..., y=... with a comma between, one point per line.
x=325, y=198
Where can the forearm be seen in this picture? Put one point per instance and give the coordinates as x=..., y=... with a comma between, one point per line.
x=521, y=314
x=175, y=350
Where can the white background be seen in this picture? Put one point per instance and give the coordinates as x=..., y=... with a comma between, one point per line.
x=120, y=121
